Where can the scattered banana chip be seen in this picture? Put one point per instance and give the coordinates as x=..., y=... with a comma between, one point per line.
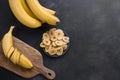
x=54, y=42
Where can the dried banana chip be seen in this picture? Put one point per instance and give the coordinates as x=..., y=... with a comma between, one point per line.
x=42, y=44
x=59, y=34
x=53, y=38
x=59, y=51
x=52, y=51
x=45, y=36
x=53, y=44
x=59, y=43
x=65, y=39
x=46, y=48
x=64, y=47
x=51, y=31
x=46, y=42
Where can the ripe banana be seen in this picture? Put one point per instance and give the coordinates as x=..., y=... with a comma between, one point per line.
x=20, y=13
x=12, y=53
x=27, y=9
x=49, y=10
x=7, y=42
x=43, y=15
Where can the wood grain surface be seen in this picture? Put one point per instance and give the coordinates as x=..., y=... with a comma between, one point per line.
x=33, y=55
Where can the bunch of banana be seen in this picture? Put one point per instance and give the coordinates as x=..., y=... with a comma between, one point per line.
x=12, y=53
x=32, y=14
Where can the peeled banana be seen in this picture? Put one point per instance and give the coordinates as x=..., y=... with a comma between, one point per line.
x=20, y=13
x=12, y=53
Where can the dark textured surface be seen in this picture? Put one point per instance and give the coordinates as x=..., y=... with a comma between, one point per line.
x=94, y=30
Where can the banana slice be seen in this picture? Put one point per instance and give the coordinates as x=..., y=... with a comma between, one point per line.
x=17, y=56
x=46, y=48
x=59, y=43
x=13, y=58
x=10, y=52
x=54, y=44
x=52, y=51
x=59, y=51
x=64, y=47
x=51, y=31
x=47, y=42
x=65, y=39
x=42, y=44
x=53, y=38
x=45, y=36
x=59, y=34
x=23, y=61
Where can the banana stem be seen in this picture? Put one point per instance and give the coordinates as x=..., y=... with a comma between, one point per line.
x=11, y=29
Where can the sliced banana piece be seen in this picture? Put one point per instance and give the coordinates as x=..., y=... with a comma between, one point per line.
x=65, y=39
x=59, y=34
x=46, y=41
x=59, y=43
x=45, y=36
x=53, y=38
x=13, y=58
x=23, y=61
x=17, y=56
x=59, y=51
x=42, y=44
x=64, y=47
x=11, y=51
x=51, y=31
x=52, y=51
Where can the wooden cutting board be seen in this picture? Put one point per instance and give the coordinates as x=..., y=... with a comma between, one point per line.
x=33, y=55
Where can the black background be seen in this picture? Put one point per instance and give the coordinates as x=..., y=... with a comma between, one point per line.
x=94, y=30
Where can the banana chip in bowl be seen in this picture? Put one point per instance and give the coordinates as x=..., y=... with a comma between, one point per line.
x=55, y=42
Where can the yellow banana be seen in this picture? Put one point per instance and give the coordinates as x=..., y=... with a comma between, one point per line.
x=7, y=42
x=22, y=16
x=49, y=10
x=13, y=53
x=27, y=9
x=43, y=15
